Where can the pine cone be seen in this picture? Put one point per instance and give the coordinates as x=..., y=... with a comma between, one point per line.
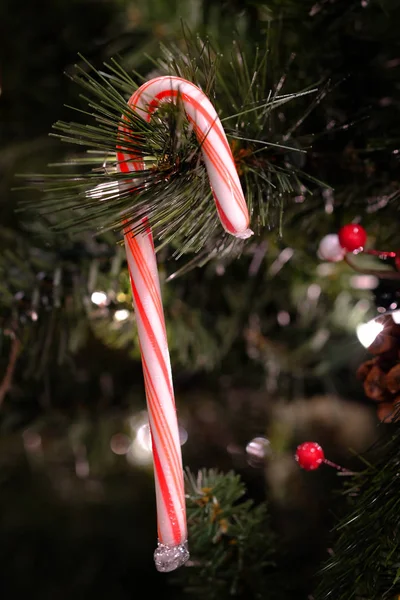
x=393, y=379
x=388, y=340
x=381, y=374
x=375, y=384
x=365, y=367
x=389, y=412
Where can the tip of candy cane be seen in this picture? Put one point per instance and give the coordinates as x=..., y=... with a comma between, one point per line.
x=243, y=235
x=169, y=558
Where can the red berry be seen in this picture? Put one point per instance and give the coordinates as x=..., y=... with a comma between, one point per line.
x=309, y=455
x=352, y=237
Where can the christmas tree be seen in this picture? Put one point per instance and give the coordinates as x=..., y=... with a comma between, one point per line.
x=287, y=336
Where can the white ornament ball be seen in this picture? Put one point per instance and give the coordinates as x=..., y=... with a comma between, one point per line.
x=330, y=248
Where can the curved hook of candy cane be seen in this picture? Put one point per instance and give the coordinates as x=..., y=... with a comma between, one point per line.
x=217, y=155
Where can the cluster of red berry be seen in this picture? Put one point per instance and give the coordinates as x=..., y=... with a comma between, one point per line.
x=334, y=246
x=350, y=238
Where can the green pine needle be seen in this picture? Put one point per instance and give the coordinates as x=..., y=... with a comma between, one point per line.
x=88, y=193
x=365, y=559
x=231, y=544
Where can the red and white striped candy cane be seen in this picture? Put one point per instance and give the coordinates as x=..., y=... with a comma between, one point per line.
x=172, y=549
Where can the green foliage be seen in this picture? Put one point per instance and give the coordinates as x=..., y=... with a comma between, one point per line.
x=365, y=557
x=294, y=138
x=232, y=545
x=172, y=189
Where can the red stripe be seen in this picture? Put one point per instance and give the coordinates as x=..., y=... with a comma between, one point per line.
x=169, y=505
x=154, y=450
x=178, y=464
x=208, y=147
x=224, y=219
x=201, y=136
x=148, y=280
x=135, y=98
x=136, y=159
x=222, y=171
x=150, y=334
x=163, y=429
x=213, y=122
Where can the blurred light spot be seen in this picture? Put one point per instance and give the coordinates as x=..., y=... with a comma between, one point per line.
x=140, y=451
x=368, y=332
x=364, y=282
x=32, y=440
x=121, y=297
x=99, y=298
x=283, y=318
x=143, y=437
x=121, y=315
x=104, y=191
x=34, y=316
x=183, y=435
x=120, y=444
x=135, y=421
x=325, y=269
x=258, y=257
x=396, y=316
x=282, y=259
x=327, y=194
x=315, y=9
x=363, y=305
x=82, y=469
x=314, y=291
x=319, y=340
x=329, y=248
x=257, y=450
x=220, y=269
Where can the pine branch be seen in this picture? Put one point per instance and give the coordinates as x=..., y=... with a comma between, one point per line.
x=365, y=560
x=173, y=190
x=45, y=298
x=231, y=542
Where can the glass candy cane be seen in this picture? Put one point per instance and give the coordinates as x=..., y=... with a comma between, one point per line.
x=172, y=550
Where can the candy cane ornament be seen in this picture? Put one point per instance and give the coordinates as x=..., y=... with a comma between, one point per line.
x=172, y=550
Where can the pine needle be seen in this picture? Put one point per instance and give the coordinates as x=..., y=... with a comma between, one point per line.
x=173, y=189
